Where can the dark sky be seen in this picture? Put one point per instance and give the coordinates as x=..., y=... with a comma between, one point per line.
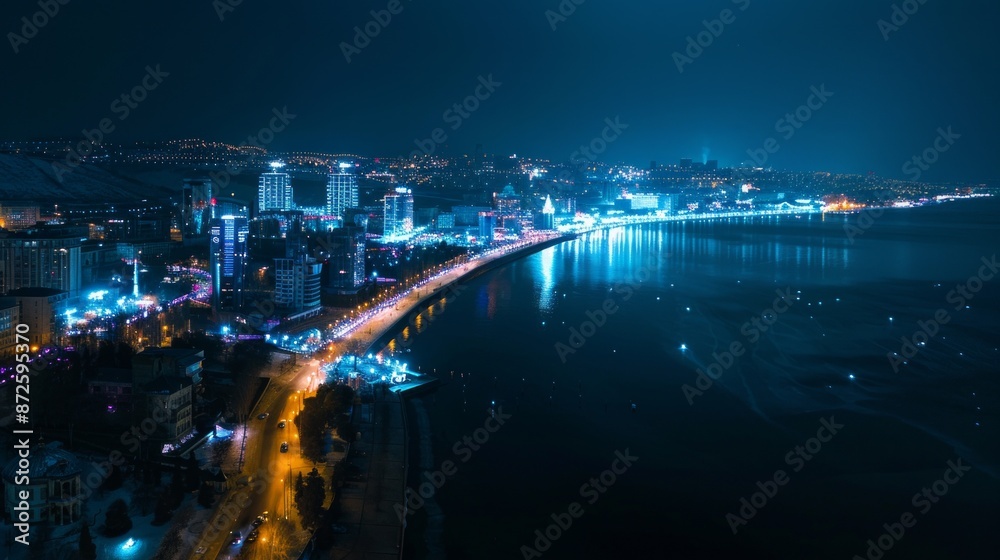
x=608, y=59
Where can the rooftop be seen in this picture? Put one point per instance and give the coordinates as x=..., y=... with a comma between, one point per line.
x=35, y=292
x=48, y=461
x=175, y=353
x=166, y=384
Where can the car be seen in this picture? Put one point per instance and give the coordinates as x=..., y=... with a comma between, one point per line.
x=262, y=416
x=201, y=550
x=253, y=536
x=261, y=519
x=235, y=538
x=281, y=424
x=284, y=447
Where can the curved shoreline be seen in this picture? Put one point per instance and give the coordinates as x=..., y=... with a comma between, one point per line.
x=388, y=332
x=407, y=313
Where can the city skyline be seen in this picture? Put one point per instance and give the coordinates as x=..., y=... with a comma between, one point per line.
x=537, y=279
x=705, y=110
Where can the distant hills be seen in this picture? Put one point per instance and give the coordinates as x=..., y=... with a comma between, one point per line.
x=30, y=178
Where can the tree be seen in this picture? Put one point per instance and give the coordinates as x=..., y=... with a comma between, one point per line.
x=212, y=346
x=312, y=423
x=354, y=347
x=114, y=480
x=339, y=473
x=299, y=486
x=162, y=512
x=88, y=550
x=335, y=399
x=276, y=541
x=310, y=502
x=206, y=496
x=193, y=474
x=116, y=520
x=175, y=492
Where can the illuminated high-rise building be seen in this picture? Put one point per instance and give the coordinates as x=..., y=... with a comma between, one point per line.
x=297, y=283
x=546, y=218
x=347, y=260
x=274, y=190
x=487, y=223
x=16, y=216
x=196, y=198
x=398, y=212
x=42, y=258
x=225, y=206
x=341, y=190
x=508, y=205
x=228, y=255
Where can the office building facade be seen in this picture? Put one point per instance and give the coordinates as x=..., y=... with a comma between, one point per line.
x=341, y=191
x=228, y=255
x=274, y=191
x=347, y=260
x=42, y=259
x=297, y=283
x=398, y=212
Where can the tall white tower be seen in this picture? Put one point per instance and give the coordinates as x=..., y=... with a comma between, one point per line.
x=341, y=190
x=274, y=190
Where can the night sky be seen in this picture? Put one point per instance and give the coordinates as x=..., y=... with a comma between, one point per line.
x=607, y=59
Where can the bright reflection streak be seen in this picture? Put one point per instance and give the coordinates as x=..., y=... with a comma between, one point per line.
x=546, y=301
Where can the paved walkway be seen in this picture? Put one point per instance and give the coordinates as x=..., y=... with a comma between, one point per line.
x=369, y=506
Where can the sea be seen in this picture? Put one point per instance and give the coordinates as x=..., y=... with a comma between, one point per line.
x=801, y=387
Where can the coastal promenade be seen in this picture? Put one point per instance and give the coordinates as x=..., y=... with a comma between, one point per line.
x=376, y=530
x=370, y=504
x=365, y=332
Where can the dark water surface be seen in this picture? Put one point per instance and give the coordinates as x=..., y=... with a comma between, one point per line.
x=698, y=286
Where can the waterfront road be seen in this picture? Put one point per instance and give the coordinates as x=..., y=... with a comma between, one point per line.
x=262, y=485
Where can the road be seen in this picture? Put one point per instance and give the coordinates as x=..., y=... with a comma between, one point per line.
x=266, y=469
